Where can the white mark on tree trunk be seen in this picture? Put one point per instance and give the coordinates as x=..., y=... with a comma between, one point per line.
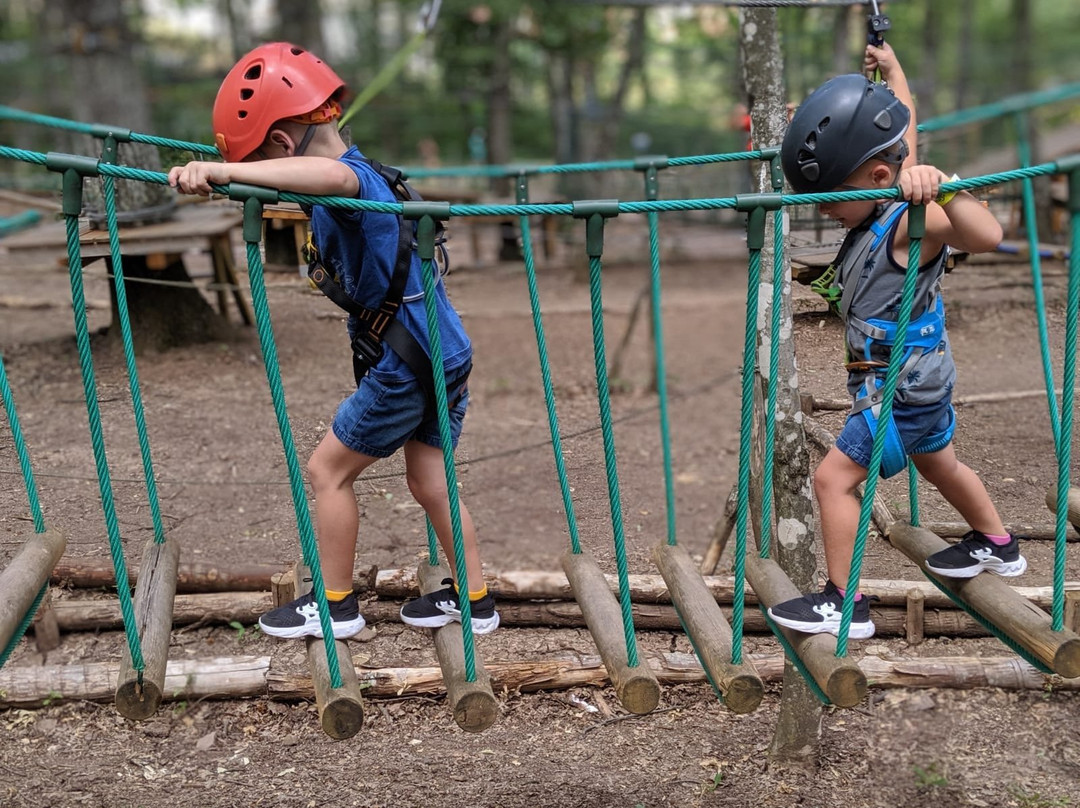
x=789, y=532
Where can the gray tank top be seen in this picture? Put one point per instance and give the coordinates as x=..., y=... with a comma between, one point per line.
x=878, y=286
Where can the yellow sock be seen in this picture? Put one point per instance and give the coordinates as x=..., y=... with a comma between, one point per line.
x=335, y=596
x=482, y=592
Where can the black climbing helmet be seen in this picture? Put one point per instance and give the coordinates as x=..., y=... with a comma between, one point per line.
x=841, y=125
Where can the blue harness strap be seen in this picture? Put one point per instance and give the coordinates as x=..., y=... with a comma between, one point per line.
x=923, y=335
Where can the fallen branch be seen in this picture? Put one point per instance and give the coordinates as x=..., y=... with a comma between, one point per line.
x=254, y=676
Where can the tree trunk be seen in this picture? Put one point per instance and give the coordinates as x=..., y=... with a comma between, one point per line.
x=300, y=22
x=799, y=724
x=500, y=146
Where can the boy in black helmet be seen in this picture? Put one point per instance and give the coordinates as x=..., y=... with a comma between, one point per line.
x=853, y=134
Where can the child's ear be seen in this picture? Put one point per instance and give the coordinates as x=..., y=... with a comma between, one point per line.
x=282, y=139
x=882, y=175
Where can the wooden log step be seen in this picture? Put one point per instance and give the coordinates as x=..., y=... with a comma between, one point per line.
x=740, y=685
x=23, y=578
x=1073, y=504
x=1022, y=621
x=473, y=703
x=636, y=686
x=840, y=679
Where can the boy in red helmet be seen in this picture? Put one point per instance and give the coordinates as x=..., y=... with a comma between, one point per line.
x=853, y=134
x=274, y=123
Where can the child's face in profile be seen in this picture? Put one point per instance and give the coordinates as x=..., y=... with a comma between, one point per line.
x=871, y=174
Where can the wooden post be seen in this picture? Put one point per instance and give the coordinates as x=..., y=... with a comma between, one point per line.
x=739, y=685
x=473, y=704
x=840, y=679
x=915, y=616
x=1022, y=621
x=45, y=626
x=1073, y=504
x=637, y=687
x=23, y=578
x=139, y=695
x=341, y=711
x=1072, y=611
x=721, y=533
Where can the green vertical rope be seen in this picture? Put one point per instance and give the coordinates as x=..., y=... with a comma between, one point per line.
x=432, y=542
x=425, y=240
x=73, y=202
x=652, y=189
x=545, y=370
x=1068, y=381
x=308, y=548
x=916, y=229
x=21, y=451
x=1023, y=150
x=767, y=495
x=913, y=493
x=109, y=185
x=594, y=244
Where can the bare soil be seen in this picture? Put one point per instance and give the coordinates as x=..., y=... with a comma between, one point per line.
x=225, y=499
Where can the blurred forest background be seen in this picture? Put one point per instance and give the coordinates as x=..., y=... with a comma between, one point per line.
x=509, y=81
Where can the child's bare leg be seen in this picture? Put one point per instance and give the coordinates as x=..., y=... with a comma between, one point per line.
x=835, y=481
x=962, y=488
x=333, y=468
x=426, y=475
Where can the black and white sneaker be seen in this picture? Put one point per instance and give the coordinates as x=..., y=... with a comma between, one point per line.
x=300, y=618
x=820, y=613
x=440, y=608
x=975, y=553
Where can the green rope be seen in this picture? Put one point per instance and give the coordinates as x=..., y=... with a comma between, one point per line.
x=21, y=451
x=1068, y=381
x=778, y=280
x=308, y=548
x=86, y=362
x=129, y=357
x=549, y=388
x=432, y=542
x=655, y=299
x=794, y=658
x=1032, y=227
x=913, y=493
x=916, y=227
x=426, y=239
x=603, y=397
x=746, y=420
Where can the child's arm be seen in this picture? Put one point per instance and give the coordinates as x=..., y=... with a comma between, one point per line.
x=319, y=176
x=884, y=58
x=962, y=222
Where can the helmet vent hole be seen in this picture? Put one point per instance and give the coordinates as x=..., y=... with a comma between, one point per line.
x=811, y=141
x=253, y=72
x=246, y=93
x=241, y=114
x=286, y=82
x=296, y=51
x=824, y=123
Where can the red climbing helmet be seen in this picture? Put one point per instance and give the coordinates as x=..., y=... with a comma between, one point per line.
x=274, y=82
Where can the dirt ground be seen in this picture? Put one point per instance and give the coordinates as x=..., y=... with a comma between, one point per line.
x=225, y=498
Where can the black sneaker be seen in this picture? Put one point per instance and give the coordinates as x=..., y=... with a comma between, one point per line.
x=820, y=613
x=975, y=553
x=300, y=618
x=440, y=608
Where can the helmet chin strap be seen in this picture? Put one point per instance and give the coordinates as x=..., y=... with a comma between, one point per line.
x=309, y=133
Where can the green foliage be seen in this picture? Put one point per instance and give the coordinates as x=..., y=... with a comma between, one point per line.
x=929, y=777
x=1036, y=800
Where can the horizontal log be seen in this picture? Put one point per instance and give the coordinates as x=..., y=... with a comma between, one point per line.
x=1072, y=504
x=955, y=530
x=253, y=677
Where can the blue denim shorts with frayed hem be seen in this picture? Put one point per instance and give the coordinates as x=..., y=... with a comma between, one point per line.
x=914, y=423
x=381, y=417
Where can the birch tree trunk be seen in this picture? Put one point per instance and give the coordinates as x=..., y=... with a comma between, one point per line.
x=798, y=728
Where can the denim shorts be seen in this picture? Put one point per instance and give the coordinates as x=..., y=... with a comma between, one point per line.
x=914, y=423
x=381, y=417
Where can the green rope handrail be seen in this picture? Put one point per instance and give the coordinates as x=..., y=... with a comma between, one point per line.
x=916, y=229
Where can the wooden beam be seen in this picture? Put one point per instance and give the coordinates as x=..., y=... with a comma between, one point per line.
x=138, y=693
x=636, y=687
x=1019, y=619
x=472, y=702
x=739, y=685
x=341, y=710
x=23, y=578
x=1073, y=504
x=839, y=678
x=954, y=530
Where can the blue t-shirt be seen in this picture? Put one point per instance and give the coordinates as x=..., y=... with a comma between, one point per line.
x=360, y=249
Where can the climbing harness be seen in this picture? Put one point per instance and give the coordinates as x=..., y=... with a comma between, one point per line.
x=923, y=335
x=380, y=325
